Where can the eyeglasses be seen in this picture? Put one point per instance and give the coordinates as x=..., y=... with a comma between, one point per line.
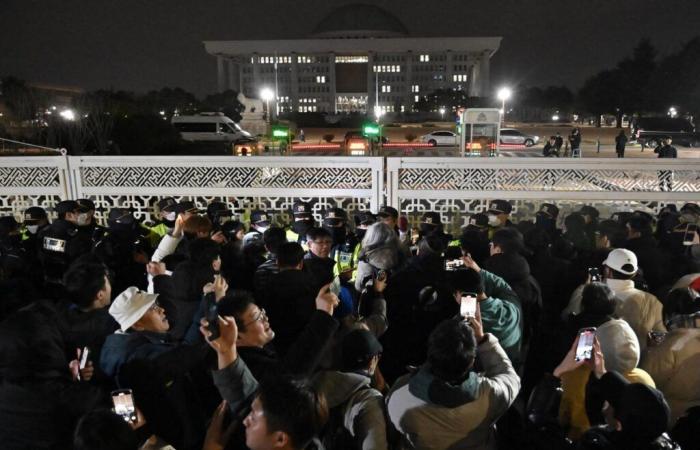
x=324, y=242
x=154, y=307
x=259, y=317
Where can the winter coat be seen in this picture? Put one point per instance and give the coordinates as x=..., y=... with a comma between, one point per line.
x=667, y=151
x=432, y=414
x=640, y=309
x=604, y=438
x=620, y=142
x=653, y=261
x=362, y=407
x=675, y=364
x=263, y=275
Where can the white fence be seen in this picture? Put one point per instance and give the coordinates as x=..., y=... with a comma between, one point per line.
x=455, y=187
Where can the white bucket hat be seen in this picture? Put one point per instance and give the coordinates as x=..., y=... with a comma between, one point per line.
x=130, y=306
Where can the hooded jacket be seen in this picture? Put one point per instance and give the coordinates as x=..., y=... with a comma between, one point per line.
x=432, y=414
x=385, y=257
x=675, y=364
x=362, y=406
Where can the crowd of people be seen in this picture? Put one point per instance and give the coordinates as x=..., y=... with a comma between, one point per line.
x=200, y=331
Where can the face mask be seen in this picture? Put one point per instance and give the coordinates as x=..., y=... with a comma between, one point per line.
x=170, y=217
x=360, y=232
x=544, y=222
x=339, y=234
x=301, y=227
x=32, y=229
x=83, y=219
x=493, y=220
x=262, y=229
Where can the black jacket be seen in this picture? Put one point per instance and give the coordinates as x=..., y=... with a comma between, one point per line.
x=666, y=151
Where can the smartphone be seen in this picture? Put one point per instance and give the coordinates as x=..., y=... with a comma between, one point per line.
x=334, y=288
x=453, y=265
x=84, y=357
x=689, y=235
x=594, y=272
x=467, y=306
x=212, y=315
x=584, y=349
x=123, y=401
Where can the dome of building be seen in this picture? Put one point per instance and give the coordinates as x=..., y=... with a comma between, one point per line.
x=359, y=20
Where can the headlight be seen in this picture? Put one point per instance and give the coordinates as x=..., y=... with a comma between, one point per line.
x=357, y=153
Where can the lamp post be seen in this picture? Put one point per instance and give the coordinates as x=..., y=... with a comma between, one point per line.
x=504, y=94
x=442, y=113
x=266, y=95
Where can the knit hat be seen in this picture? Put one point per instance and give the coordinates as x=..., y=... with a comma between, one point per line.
x=623, y=261
x=619, y=345
x=130, y=306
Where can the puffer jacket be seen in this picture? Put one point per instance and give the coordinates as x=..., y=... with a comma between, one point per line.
x=674, y=365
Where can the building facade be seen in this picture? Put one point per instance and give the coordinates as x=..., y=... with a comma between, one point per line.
x=358, y=58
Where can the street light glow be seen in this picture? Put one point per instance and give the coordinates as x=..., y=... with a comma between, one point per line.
x=504, y=94
x=67, y=114
x=267, y=94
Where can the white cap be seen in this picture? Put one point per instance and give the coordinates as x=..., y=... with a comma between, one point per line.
x=621, y=257
x=619, y=345
x=130, y=306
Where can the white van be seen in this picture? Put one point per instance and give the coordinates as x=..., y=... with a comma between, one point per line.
x=209, y=127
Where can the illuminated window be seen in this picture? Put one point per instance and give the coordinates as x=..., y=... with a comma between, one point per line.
x=424, y=58
x=459, y=77
x=416, y=98
x=386, y=88
x=321, y=79
x=351, y=59
x=415, y=88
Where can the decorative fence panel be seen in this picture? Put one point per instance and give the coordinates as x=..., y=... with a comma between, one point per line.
x=32, y=181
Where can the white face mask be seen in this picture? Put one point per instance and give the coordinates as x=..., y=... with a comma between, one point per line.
x=83, y=219
x=262, y=229
x=493, y=220
x=32, y=229
x=171, y=216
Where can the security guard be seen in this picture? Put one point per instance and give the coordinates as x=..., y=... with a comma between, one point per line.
x=431, y=225
x=303, y=221
x=346, y=247
x=363, y=220
x=13, y=257
x=60, y=242
x=259, y=222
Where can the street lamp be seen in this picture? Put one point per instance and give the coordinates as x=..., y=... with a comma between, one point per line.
x=672, y=112
x=442, y=113
x=504, y=94
x=67, y=114
x=266, y=94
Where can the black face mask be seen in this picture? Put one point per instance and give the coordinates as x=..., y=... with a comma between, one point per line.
x=544, y=222
x=339, y=234
x=427, y=228
x=301, y=227
x=360, y=232
x=169, y=223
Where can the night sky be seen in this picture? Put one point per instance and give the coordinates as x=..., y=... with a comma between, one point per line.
x=148, y=44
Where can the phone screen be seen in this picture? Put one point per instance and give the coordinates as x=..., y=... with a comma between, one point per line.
x=594, y=273
x=212, y=316
x=335, y=286
x=124, y=404
x=689, y=235
x=584, y=349
x=84, y=357
x=467, y=306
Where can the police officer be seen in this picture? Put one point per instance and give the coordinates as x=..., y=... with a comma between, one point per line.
x=219, y=214
x=166, y=218
x=35, y=220
x=60, y=243
x=546, y=218
x=13, y=260
x=474, y=239
x=363, y=220
x=499, y=215
x=303, y=221
x=431, y=225
x=125, y=249
x=259, y=222
x=87, y=224
x=346, y=247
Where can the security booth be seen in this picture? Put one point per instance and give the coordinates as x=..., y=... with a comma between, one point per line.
x=480, y=131
x=281, y=138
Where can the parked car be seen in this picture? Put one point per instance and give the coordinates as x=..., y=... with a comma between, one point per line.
x=440, y=137
x=517, y=137
x=650, y=131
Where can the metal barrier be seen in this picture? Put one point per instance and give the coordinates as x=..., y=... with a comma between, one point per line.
x=455, y=187
x=458, y=187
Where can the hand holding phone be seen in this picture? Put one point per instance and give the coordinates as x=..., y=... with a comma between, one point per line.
x=594, y=274
x=467, y=305
x=334, y=287
x=84, y=358
x=212, y=316
x=123, y=402
x=584, y=349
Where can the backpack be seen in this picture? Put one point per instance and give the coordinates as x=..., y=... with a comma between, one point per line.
x=334, y=435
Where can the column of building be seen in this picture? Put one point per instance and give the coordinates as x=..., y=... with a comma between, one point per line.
x=220, y=74
x=408, y=84
x=294, y=91
x=257, y=82
x=484, y=74
x=371, y=97
x=330, y=95
x=449, y=69
x=234, y=75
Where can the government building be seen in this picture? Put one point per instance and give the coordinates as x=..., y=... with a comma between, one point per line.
x=358, y=58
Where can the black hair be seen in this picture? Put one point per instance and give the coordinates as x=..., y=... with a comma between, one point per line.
x=466, y=280
x=234, y=304
x=680, y=301
x=83, y=281
x=614, y=231
x=203, y=251
x=575, y=223
x=104, y=430
x=431, y=243
x=289, y=254
x=273, y=237
x=293, y=407
x=640, y=224
x=316, y=233
x=451, y=350
x=598, y=299
x=509, y=239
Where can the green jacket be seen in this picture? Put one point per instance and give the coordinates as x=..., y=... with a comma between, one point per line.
x=501, y=314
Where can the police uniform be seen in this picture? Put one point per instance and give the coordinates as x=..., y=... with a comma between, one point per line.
x=303, y=220
x=218, y=214
x=345, y=252
x=92, y=230
x=60, y=243
x=497, y=207
x=258, y=219
x=431, y=224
